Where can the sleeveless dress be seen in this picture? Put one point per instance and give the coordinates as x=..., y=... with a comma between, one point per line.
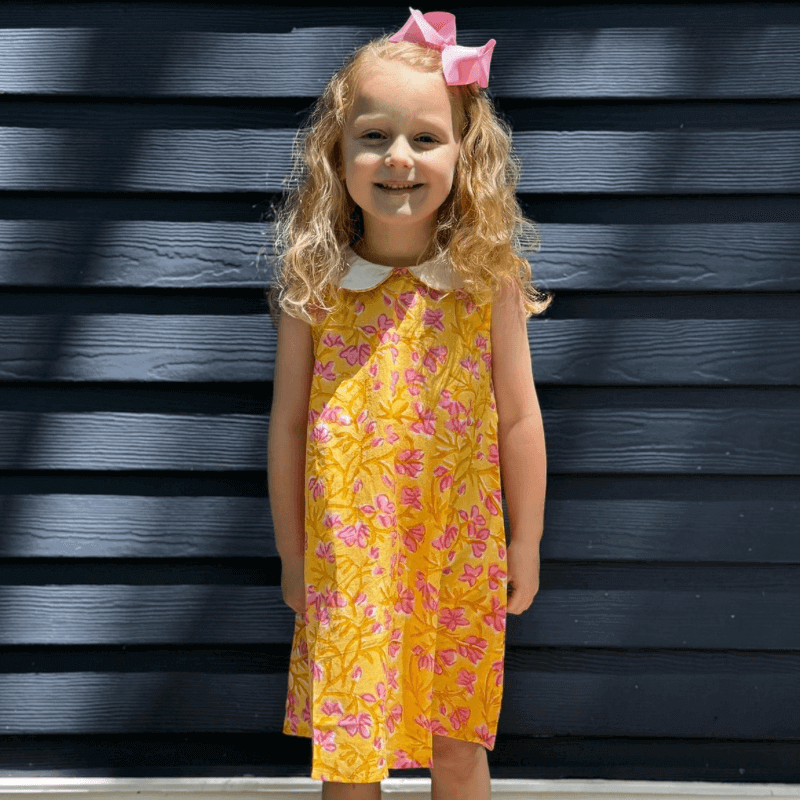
x=403, y=634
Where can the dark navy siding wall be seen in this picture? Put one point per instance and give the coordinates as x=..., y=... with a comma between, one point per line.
x=142, y=629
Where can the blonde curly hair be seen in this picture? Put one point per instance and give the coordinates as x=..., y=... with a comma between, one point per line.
x=480, y=226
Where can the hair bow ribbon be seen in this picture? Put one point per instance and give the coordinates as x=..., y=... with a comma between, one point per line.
x=437, y=29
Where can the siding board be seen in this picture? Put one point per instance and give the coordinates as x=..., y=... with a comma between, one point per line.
x=175, y=348
x=651, y=525
x=749, y=618
x=613, y=162
x=122, y=254
x=659, y=440
x=569, y=704
x=717, y=60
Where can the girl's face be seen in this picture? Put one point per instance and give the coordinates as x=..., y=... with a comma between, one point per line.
x=401, y=129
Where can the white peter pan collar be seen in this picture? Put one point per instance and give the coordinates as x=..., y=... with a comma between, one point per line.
x=362, y=274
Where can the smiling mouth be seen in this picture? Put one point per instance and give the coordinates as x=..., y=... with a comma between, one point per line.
x=398, y=188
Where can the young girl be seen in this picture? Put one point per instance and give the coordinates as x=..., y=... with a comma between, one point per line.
x=403, y=384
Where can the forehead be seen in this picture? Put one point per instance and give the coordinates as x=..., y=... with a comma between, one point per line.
x=393, y=89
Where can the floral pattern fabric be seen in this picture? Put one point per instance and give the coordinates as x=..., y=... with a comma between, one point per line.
x=403, y=635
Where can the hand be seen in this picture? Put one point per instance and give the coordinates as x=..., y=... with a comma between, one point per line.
x=523, y=575
x=293, y=583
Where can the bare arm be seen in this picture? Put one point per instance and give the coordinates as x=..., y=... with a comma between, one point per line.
x=294, y=364
x=523, y=458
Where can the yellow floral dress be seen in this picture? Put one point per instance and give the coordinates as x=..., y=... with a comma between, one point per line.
x=403, y=634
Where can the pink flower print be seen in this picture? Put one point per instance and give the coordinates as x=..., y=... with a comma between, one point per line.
x=331, y=707
x=402, y=760
x=332, y=340
x=471, y=365
x=459, y=717
x=331, y=520
x=325, y=370
x=410, y=496
x=353, y=534
x=488, y=738
x=387, y=481
x=357, y=724
x=373, y=369
x=405, y=599
x=472, y=648
x=457, y=425
x=433, y=317
x=445, y=476
x=493, y=502
x=427, y=419
x=497, y=617
x=394, y=716
x=469, y=304
x=478, y=549
x=409, y=462
x=425, y=662
x=415, y=381
x=359, y=307
x=435, y=356
x=395, y=378
x=405, y=300
x=316, y=671
x=427, y=590
x=316, y=486
x=325, y=740
x=497, y=666
x=335, y=598
x=470, y=574
x=496, y=575
x=329, y=414
x=325, y=551
x=467, y=680
x=387, y=518
x=413, y=536
x=384, y=324
x=356, y=673
x=487, y=360
x=415, y=356
x=494, y=454
x=374, y=552
x=387, y=301
x=474, y=517
x=362, y=416
x=391, y=436
x=357, y=486
x=447, y=657
x=320, y=433
x=446, y=539
x=452, y=618
x=394, y=646
x=356, y=354
x=480, y=342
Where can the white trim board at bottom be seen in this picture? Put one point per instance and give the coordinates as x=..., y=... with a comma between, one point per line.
x=54, y=788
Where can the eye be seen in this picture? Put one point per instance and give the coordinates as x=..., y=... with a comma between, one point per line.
x=378, y=133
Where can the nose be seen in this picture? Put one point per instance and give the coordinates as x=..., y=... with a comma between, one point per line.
x=399, y=153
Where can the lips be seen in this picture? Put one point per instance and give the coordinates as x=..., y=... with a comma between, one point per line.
x=399, y=185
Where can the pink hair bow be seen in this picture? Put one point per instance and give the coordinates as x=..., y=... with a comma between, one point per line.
x=437, y=29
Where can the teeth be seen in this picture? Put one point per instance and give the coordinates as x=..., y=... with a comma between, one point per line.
x=404, y=186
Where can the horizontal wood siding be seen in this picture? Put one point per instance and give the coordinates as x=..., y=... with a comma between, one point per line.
x=142, y=626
